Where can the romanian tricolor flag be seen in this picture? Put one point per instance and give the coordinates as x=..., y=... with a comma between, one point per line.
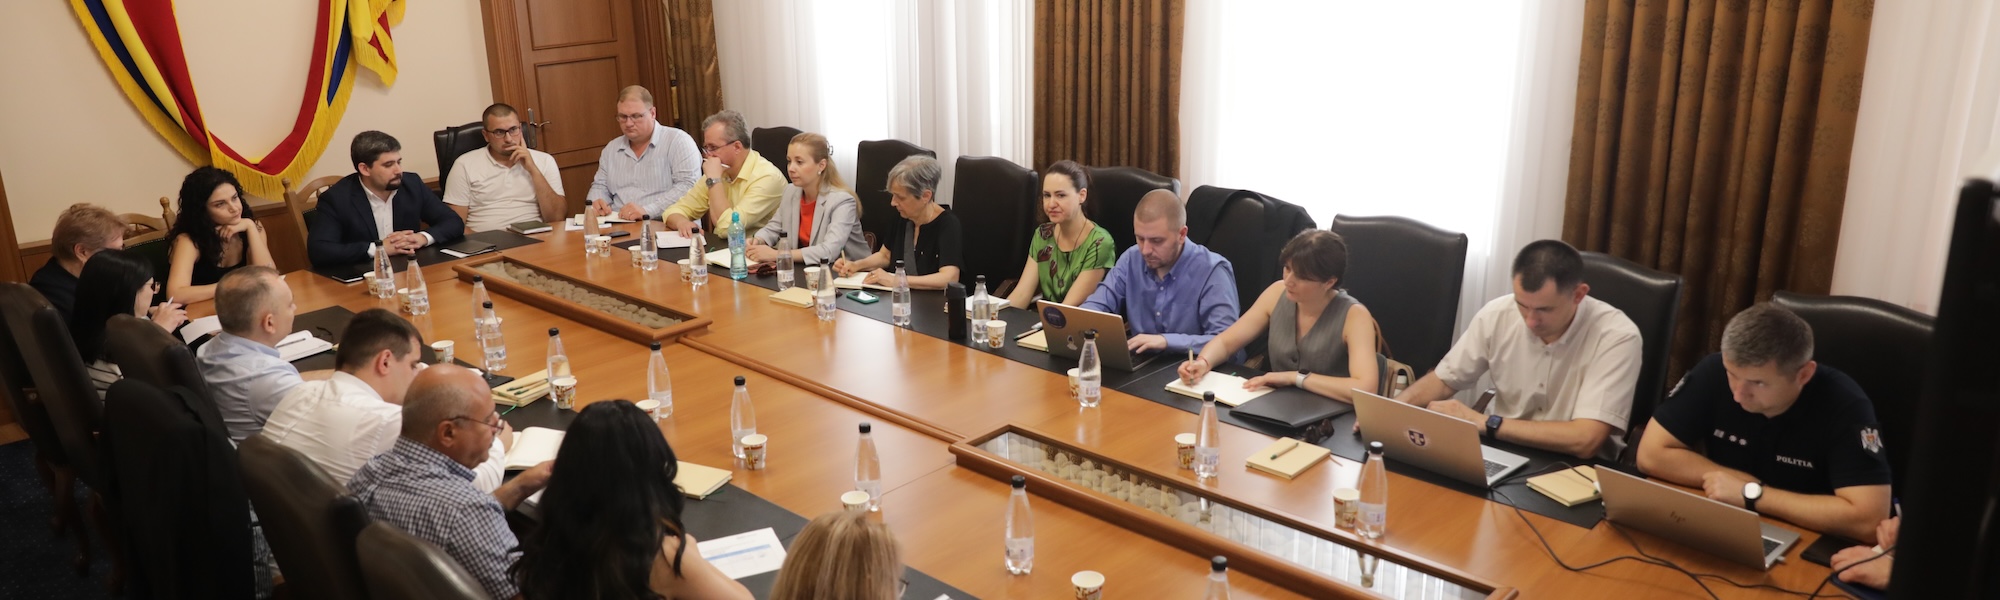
x=140, y=42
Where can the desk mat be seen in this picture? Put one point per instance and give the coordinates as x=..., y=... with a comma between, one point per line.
x=1348, y=445
x=431, y=255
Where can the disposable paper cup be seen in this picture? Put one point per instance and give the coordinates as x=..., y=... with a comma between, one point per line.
x=1184, y=450
x=996, y=333
x=563, y=391
x=753, y=451
x=652, y=408
x=1089, y=585
x=1346, y=506
x=638, y=254
x=1075, y=380
x=687, y=271
x=443, y=349
x=812, y=278
x=854, y=500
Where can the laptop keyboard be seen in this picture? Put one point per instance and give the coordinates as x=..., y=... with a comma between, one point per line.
x=1769, y=545
x=1494, y=468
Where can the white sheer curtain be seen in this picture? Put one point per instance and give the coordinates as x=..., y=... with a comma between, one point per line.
x=1928, y=114
x=1456, y=114
x=950, y=76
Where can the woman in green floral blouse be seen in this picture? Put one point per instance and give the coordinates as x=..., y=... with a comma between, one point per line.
x=1068, y=255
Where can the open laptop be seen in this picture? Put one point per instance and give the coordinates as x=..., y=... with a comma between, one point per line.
x=1433, y=440
x=1063, y=326
x=1694, y=521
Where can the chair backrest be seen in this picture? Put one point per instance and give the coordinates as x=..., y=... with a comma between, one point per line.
x=872, y=162
x=60, y=381
x=185, y=515
x=1409, y=275
x=147, y=353
x=157, y=250
x=771, y=142
x=995, y=201
x=19, y=387
x=454, y=141
x=1117, y=190
x=301, y=203
x=1249, y=229
x=308, y=519
x=1884, y=348
x=1651, y=299
x=398, y=566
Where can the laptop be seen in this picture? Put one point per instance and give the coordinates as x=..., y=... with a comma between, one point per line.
x=1694, y=521
x=1063, y=326
x=1438, y=442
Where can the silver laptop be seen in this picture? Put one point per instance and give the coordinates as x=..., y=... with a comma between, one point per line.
x=1433, y=440
x=1063, y=326
x=1693, y=521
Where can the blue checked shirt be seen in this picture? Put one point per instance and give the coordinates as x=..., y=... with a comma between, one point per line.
x=1188, y=307
x=247, y=378
x=430, y=496
x=669, y=169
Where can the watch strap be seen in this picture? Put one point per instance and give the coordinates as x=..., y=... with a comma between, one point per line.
x=1493, y=426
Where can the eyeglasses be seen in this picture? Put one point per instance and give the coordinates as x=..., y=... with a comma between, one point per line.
x=632, y=118
x=492, y=421
x=709, y=149
x=510, y=131
x=153, y=286
x=902, y=586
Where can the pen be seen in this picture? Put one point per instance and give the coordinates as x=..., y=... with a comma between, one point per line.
x=1275, y=455
x=1031, y=331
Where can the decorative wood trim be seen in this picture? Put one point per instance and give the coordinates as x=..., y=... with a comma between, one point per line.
x=823, y=390
x=11, y=268
x=588, y=316
x=503, y=49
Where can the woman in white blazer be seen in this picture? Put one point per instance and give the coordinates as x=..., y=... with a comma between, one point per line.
x=833, y=227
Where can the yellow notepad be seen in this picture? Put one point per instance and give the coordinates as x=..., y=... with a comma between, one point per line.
x=854, y=282
x=523, y=390
x=719, y=258
x=1039, y=340
x=1228, y=388
x=1569, y=486
x=798, y=296
x=1293, y=458
x=698, y=481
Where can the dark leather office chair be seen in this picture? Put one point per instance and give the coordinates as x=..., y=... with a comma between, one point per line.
x=33, y=415
x=872, y=162
x=995, y=201
x=187, y=519
x=155, y=249
x=1409, y=275
x=1884, y=347
x=1249, y=229
x=1116, y=192
x=1652, y=299
x=454, y=141
x=398, y=566
x=147, y=353
x=771, y=142
x=308, y=519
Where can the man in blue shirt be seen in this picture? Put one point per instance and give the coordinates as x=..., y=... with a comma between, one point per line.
x=242, y=364
x=1175, y=294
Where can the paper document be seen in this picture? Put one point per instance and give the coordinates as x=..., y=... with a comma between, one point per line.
x=745, y=554
x=301, y=344
x=854, y=282
x=200, y=327
x=1228, y=388
x=672, y=239
x=533, y=446
x=575, y=223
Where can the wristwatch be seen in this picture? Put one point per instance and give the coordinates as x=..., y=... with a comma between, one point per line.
x=711, y=182
x=1493, y=426
x=1301, y=381
x=1751, y=492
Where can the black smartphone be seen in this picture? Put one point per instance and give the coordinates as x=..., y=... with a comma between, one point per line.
x=618, y=234
x=1822, y=550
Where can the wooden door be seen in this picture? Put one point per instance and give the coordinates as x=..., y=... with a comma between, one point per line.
x=565, y=60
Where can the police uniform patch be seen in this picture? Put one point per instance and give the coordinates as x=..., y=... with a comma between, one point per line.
x=1871, y=440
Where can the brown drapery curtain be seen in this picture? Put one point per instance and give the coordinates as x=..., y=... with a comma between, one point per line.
x=1107, y=83
x=677, y=60
x=1712, y=140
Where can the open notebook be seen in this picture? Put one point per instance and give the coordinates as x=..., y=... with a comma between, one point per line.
x=1228, y=388
x=301, y=344
x=854, y=282
x=533, y=446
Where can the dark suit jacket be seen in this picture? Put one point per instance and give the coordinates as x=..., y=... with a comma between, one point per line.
x=343, y=226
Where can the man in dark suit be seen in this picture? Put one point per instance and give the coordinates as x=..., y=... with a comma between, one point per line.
x=378, y=203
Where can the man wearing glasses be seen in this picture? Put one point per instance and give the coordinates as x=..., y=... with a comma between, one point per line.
x=647, y=167
x=734, y=180
x=506, y=182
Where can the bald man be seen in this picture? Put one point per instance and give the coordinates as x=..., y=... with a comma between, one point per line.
x=1175, y=294
x=424, y=484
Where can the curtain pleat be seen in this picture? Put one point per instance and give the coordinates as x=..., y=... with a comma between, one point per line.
x=1107, y=83
x=697, y=74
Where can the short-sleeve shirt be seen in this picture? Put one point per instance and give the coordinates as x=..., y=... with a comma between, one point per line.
x=57, y=285
x=496, y=195
x=928, y=248
x=1827, y=440
x=1057, y=270
x=1588, y=373
x=432, y=498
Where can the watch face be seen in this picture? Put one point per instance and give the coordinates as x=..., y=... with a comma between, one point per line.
x=1753, y=490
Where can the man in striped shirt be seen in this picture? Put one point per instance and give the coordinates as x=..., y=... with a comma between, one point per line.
x=648, y=167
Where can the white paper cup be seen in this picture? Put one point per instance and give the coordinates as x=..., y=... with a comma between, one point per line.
x=753, y=451
x=444, y=350
x=1075, y=380
x=563, y=391
x=1346, y=506
x=638, y=254
x=812, y=278
x=1089, y=585
x=652, y=408
x=854, y=500
x=1184, y=450
x=687, y=270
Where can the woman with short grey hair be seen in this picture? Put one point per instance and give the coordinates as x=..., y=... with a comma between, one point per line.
x=927, y=239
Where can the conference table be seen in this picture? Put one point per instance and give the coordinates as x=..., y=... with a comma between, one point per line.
x=937, y=406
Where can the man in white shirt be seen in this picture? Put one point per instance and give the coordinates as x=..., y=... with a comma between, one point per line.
x=1565, y=364
x=355, y=415
x=506, y=182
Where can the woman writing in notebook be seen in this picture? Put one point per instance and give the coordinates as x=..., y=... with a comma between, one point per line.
x=818, y=211
x=611, y=518
x=1069, y=255
x=114, y=282
x=213, y=234
x=1322, y=340
x=927, y=239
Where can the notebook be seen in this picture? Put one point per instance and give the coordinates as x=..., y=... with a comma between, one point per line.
x=523, y=390
x=1228, y=388
x=575, y=223
x=196, y=329
x=1292, y=457
x=466, y=248
x=719, y=258
x=533, y=446
x=1036, y=340
x=854, y=282
x=301, y=344
x=797, y=296
x=1569, y=486
x=698, y=481
x=671, y=239
x=530, y=227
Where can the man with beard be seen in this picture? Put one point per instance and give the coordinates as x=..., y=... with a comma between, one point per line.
x=505, y=182
x=378, y=203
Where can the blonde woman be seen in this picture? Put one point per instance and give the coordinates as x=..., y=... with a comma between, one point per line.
x=818, y=211
x=842, y=556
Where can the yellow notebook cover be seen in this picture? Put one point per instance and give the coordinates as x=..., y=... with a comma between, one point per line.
x=1292, y=457
x=523, y=390
x=798, y=296
x=1569, y=486
x=1039, y=340
x=698, y=481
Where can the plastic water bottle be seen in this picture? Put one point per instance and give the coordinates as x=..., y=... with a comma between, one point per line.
x=980, y=314
x=868, y=468
x=558, y=363
x=1218, y=579
x=1207, y=440
x=420, y=292
x=385, y=272
x=1374, y=518
x=494, y=345
x=738, y=268
x=784, y=261
x=590, y=232
x=1090, y=373
x=823, y=297
x=660, y=383
x=649, y=246
x=1020, y=529
x=479, y=301
x=899, y=300
x=698, y=259
x=742, y=417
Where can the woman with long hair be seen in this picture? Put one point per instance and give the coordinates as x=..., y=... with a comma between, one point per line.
x=611, y=518
x=818, y=211
x=213, y=234
x=114, y=282
x=842, y=556
x=1069, y=255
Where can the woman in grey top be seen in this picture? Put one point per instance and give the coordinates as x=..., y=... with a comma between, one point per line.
x=1322, y=340
x=824, y=224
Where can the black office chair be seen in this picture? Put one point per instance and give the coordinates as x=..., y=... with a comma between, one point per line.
x=872, y=162
x=156, y=249
x=147, y=353
x=453, y=142
x=1116, y=192
x=1652, y=299
x=1249, y=229
x=1884, y=347
x=1409, y=275
x=32, y=413
x=397, y=566
x=308, y=520
x=995, y=201
x=771, y=142
x=183, y=504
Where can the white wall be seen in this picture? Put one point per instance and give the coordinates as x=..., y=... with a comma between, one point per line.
x=68, y=134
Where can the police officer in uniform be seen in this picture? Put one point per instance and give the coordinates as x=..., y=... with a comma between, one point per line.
x=1763, y=427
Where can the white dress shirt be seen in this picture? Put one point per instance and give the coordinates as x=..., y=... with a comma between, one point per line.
x=497, y=195
x=341, y=423
x=383, y=208
x=1588, y=373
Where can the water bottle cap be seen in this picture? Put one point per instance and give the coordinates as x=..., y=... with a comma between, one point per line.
x=1018, y=482
x=867, y=427
x=1090, y=335
x=1207, y=397
x=739, y=380
x=1374, y=447
x=478, y=278
x=656, y=346
x=735, y=217
x=980, y=279
x=486, y=304
x=783, y=235
x=1218, y=564
x=554, y=332
x=899, y=264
